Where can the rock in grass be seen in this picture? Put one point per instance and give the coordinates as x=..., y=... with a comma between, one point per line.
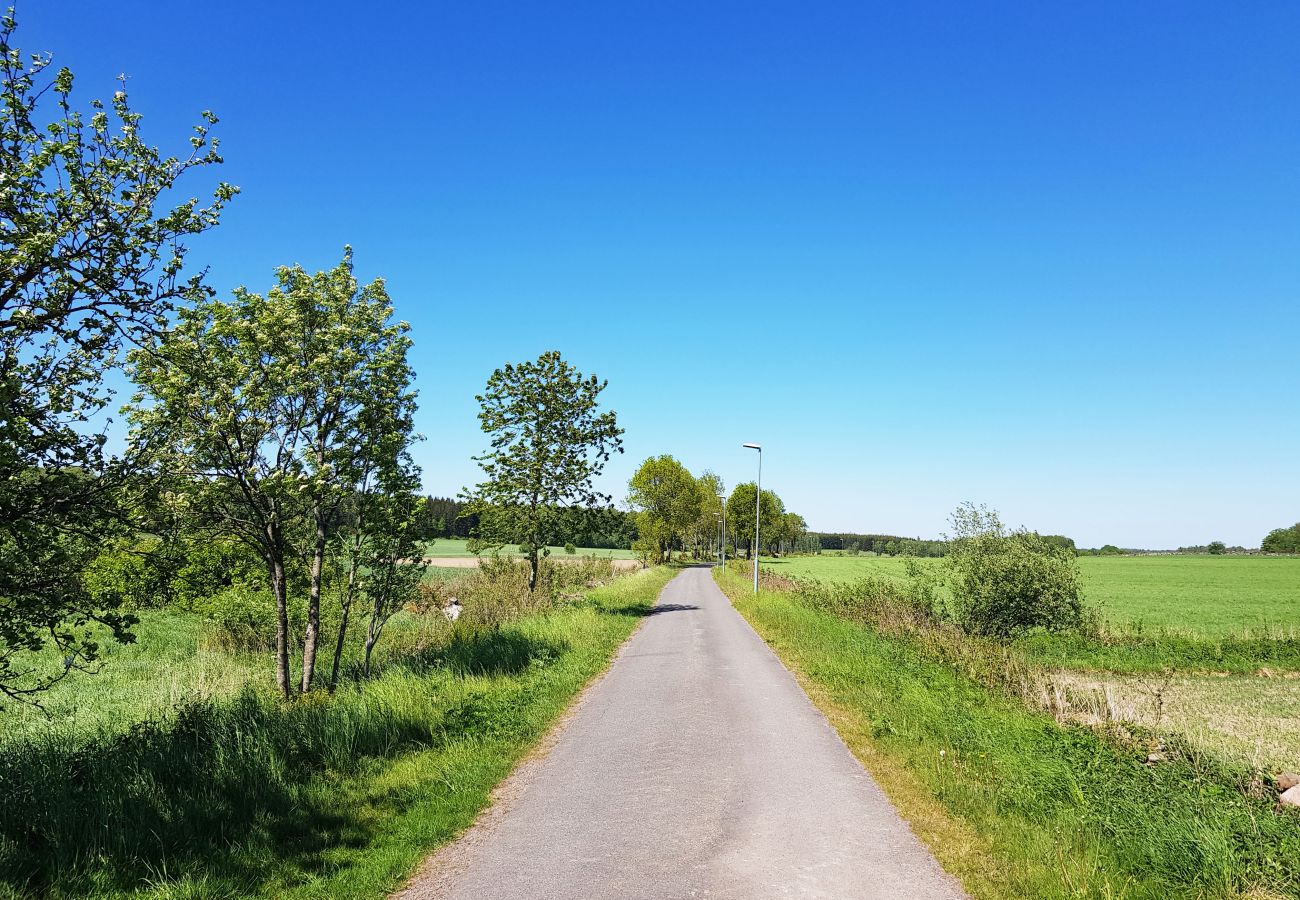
x=1287, y=780
x=1291, y=796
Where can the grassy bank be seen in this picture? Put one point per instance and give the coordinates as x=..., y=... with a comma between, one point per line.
x=1014, y=804
x=325, y=797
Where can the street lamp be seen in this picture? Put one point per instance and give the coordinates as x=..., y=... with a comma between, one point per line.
x=718, y=516
x=758, y=506
x=723, y=499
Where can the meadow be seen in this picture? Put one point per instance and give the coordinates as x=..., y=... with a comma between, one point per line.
x=1196, y=595
x=141, y=784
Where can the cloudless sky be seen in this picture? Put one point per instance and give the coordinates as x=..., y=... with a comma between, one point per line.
x=1041, y=256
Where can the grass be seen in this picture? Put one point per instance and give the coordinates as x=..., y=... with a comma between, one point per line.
x=447, y=548
x=169, y=665
x=1197, y=595
x=1010, y=802
x=324, y=797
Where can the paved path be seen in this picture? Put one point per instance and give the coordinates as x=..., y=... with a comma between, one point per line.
x=696, y=768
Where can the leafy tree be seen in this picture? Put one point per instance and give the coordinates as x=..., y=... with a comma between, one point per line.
x=702, y=534
x=1217, y=548
x=740, y=515
x=668, y=499
x=1282, y=540
x=389, y=580
x=550, y=440
x=272, y=409
x=92, y=259
x=790, y=528
x=1005, y=582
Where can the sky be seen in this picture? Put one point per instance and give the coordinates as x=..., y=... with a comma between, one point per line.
x=1040, y=256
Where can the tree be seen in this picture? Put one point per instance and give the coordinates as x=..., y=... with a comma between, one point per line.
x=704, y=532
x=1282, y=540
x=1005, y=582
x=271, y=410
x=1217, y=548
x=668, y=500
x=89, y=262
x=740, y=515
x=389, y=578
x=550, y=440
x=789, y=529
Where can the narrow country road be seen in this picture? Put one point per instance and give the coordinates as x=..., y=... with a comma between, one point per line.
x=696, y=768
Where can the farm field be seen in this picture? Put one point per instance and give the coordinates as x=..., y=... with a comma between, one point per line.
x=454, y=548
x=1206, y=595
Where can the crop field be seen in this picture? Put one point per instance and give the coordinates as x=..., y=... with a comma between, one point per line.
x=455, y=548
x=1205, y=595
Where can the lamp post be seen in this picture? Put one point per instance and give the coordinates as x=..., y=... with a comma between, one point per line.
x=758, y=507
x=723, y=498
x=718, y=516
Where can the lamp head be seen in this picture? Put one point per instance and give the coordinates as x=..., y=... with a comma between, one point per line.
x=758, y=447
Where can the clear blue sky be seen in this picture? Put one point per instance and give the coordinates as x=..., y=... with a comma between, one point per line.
x=1042, y=256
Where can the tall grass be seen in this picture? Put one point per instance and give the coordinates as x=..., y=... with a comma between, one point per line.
x=326, y=796
x=1013, y=802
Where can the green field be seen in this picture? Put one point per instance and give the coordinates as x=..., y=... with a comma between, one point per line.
x=448, y=548
x=1209, y=595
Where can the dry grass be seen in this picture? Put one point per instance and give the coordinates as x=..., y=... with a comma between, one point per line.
x=1254, y=721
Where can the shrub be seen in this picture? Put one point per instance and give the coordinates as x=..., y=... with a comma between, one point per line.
x=570, y=549
x=1218, y=548
x=243, y=617
x=1007, y=582
x=134, y=576
x=213, y=564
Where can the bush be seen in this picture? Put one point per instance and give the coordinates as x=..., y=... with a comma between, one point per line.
x=1218, y=548
x=570, y=549
x=135, y=576
x=1005, y=582
x=213, y=564
x=243, y=617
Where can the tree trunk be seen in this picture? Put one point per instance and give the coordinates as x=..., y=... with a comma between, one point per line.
x=532, y=567
x=312, y=636
x=343, y=623
x=280, y=590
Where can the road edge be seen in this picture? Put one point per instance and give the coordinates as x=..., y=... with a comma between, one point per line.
x=440, y=868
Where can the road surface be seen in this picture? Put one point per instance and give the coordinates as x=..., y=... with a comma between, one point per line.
x=696, y=768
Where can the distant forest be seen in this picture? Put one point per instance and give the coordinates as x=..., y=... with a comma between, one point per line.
x=605, y=529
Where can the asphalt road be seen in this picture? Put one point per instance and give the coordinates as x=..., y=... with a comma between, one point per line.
x=696, y=768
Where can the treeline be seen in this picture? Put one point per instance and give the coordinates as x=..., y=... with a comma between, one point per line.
x=603, y=528
x=894, y=545
x=1282, y=540
x=678, y=511
x=883, y=544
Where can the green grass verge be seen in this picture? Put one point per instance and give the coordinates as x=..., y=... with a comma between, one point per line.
x=325, y=797
x=1010, y=802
